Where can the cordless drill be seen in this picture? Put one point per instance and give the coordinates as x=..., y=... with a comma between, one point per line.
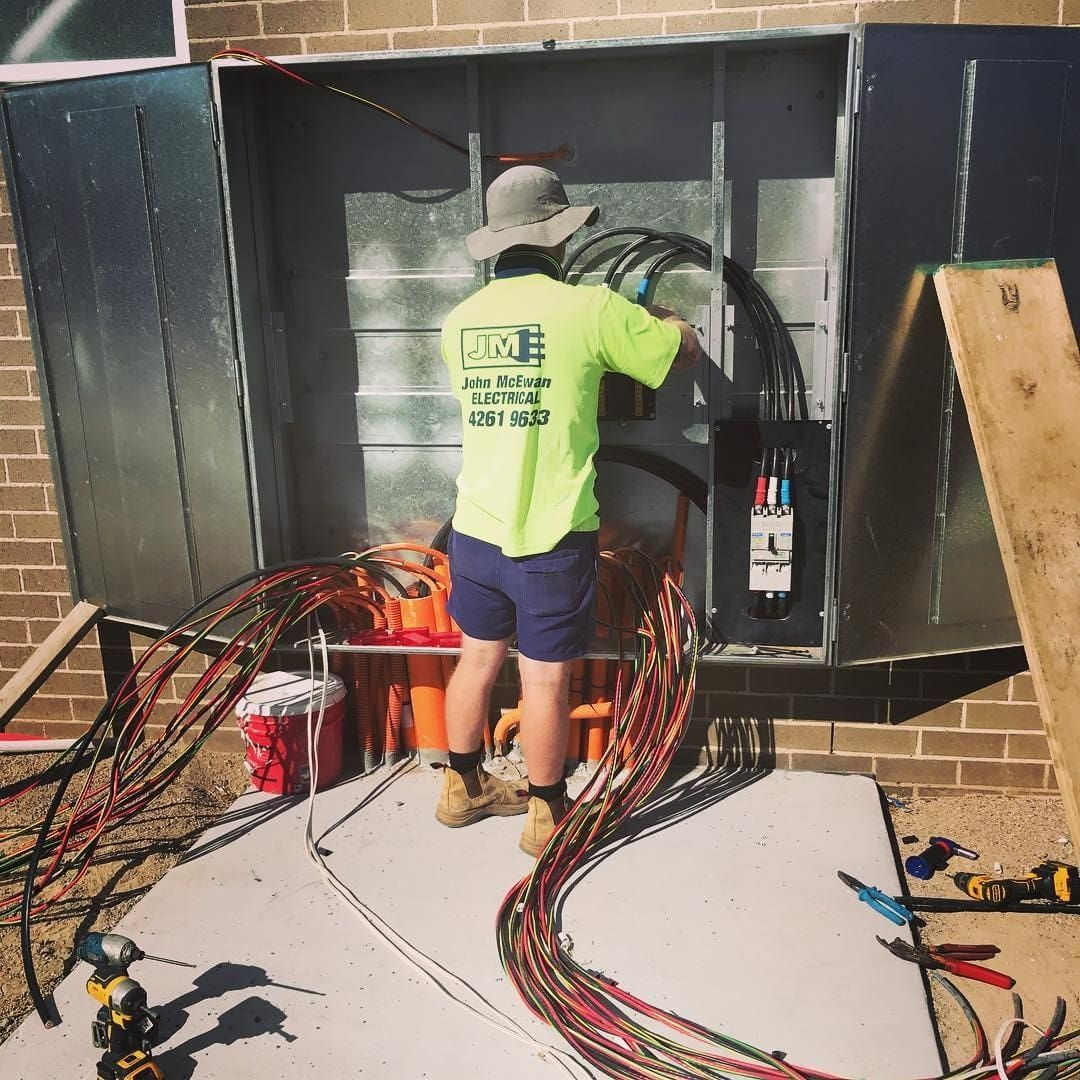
x=1048, y=881
x=125, y=1027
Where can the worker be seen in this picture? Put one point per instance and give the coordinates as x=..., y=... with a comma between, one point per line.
x=525, y=356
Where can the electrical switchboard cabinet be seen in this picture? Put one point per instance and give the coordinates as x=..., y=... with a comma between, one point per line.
x=236, y=285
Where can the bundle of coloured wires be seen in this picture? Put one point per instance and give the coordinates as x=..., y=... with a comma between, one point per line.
x=243, y=631
x=613, y=1030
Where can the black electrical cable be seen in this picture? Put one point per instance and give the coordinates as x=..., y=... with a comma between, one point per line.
x=49, y=1016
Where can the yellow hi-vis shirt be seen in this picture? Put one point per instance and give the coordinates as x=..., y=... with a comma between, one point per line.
x=525, y=356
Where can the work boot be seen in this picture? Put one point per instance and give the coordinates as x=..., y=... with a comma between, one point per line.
x=544, y=815
x=475, y=795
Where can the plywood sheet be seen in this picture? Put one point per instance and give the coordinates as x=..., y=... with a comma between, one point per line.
x=1018, y=366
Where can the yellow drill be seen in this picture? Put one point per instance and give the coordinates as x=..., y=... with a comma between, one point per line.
x=1048, y=881
x=125, y=1027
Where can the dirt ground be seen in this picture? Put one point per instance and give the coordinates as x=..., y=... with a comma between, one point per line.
x=128, y=862
x=1042, y=952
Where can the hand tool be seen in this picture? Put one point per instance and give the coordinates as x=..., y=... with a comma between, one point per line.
x=1054, y=881
x=894, y=911
x=950, y=961
x=936, y=857
x=944, y=906
x=125, y=1028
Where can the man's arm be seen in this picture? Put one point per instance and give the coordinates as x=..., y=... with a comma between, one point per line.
x=689, y=352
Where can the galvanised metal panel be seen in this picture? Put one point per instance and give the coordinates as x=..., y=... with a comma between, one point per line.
x=910, y=142
x=1005, y=161
x=116, y=187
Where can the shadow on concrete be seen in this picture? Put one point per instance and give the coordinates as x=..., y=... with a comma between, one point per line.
x=248, y=1018
x=238, y=821
x=741, y=752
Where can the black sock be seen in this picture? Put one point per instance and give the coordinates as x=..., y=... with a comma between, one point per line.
x=466, y=763
x=547, y=792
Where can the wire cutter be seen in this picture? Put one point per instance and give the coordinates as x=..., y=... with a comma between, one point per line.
x=953, y=959
x=884, y=905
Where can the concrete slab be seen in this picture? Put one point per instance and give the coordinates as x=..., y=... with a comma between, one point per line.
x=726, y=908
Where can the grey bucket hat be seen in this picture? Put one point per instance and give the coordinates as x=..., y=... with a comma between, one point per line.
x=527, y=205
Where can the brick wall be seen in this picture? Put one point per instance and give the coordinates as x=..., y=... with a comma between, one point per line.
x=968, y=721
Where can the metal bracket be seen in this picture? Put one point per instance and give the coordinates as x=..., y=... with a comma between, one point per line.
x=279, y=363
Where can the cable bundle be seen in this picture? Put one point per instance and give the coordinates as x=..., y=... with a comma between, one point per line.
x=602, y=1021
x=243, y=631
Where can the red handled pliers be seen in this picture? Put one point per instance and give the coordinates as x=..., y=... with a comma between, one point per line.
x=955, y=959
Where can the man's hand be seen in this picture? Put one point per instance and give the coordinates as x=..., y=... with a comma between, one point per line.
x=689, y=353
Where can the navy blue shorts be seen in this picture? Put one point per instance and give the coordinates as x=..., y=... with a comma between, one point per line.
x=548, y=599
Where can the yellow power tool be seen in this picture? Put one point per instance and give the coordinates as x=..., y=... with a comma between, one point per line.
x=1048, y=881
x=125, y=1028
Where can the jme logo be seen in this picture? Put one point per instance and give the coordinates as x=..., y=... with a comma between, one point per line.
x=502, y=346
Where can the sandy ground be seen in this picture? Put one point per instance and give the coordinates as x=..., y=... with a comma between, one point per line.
x=129, y=861
x=1042, y=952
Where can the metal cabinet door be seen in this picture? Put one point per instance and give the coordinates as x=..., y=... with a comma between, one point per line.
x=965, y=149
x=117, y=197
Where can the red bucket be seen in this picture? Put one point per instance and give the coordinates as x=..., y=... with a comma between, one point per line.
x=273, y=718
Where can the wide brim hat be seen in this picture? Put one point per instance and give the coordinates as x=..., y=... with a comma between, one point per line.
x=527, y=206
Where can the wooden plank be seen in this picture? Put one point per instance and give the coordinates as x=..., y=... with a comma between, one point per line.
x=46, y=657
x=1019, y=369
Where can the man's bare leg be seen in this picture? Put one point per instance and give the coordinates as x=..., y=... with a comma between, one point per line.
x=469, y=792
x=545, y=719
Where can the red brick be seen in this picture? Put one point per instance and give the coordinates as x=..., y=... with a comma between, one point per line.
x=37, y=526
x=14, y=352
x=29, y=470
x=910, y=770
x=588, y=29
x=831, y=763
x=794, y=735
x=78, y=684
x=348, y=43
x=7, y=528
x=980, y=714
x=1003, y=774
x=20, y=725
x=46, y=581
x=964, y=744
x=912, y=714
x=270, y=46
x=1029, y=747
x=17, y=441
x=525, y=32
x=434, y=38
x=874, y=739
x=223, y=21
x=22, y=498
x=878, y=682
x=28, y=606
x=763, y=706
x=41, y=707
x=40, y=629
x=1023, y=688
x=1033, y=12
x=201, y=51
x=11, y=293
x=721, y=677
x=569, y=9
x=14, y=383
x=791, y=680
x=705, y=22
x=9, y=324
x=303, y=17
x=808, y=15
x=86, y=709
x=12, y=657
x=956, y=686
x=14, y=631
x=907, y=11
x=450, y=12
x=21, y=412
x=998, y=691
x=383, y=14
x=7, y=229
x=837, y=708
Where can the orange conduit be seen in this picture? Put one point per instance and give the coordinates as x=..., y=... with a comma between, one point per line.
x=428, y=689
x=510, y=720
x=578, y=692
x=396, y=689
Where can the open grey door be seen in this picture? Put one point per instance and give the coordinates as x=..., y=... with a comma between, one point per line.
x=997, y=118
x=117, y=198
